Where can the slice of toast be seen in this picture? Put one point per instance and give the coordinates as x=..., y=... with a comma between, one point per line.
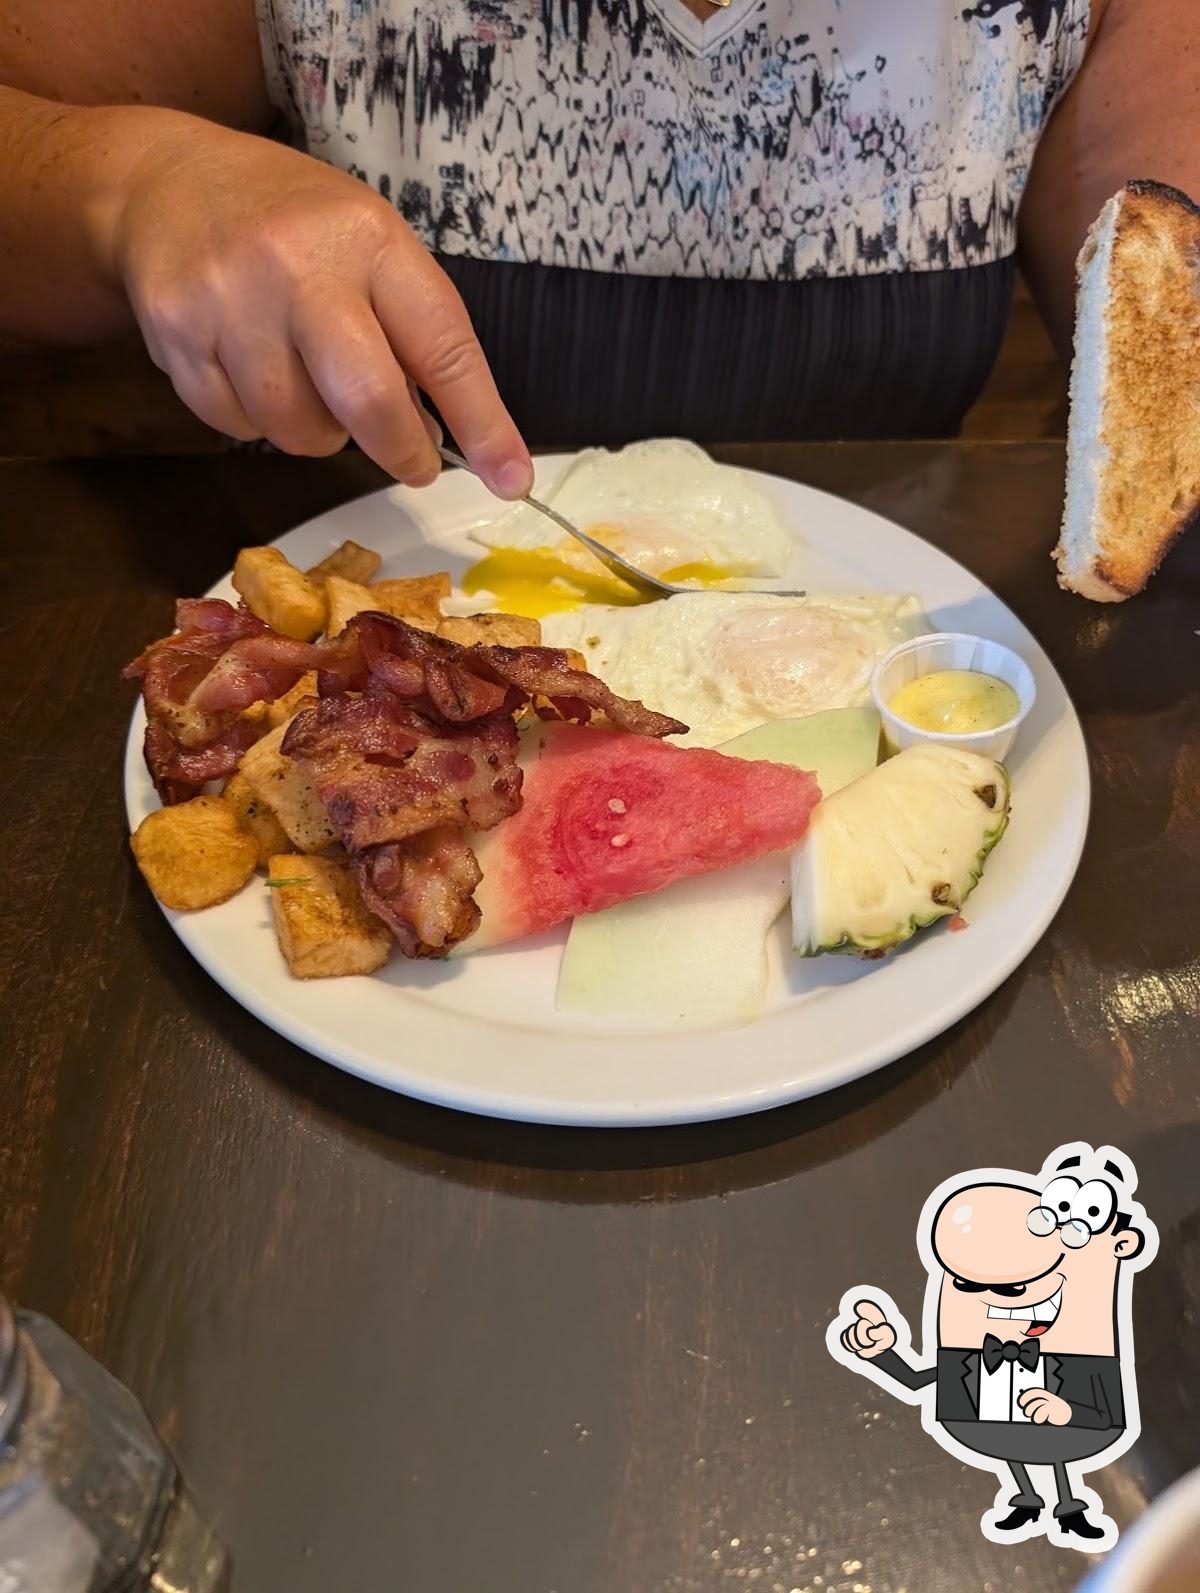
x=1133, y=442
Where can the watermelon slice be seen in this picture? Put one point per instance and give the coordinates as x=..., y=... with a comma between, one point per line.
x=695, y=954
x=606, y=816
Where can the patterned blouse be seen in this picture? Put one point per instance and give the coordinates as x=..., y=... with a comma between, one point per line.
x=854, y=167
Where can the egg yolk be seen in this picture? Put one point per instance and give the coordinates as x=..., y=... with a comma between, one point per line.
x=956, y=702
x=539, y=581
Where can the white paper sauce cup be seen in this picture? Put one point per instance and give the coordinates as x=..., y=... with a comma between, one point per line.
x=926, y=655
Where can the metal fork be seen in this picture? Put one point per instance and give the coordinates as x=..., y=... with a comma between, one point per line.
x=648, y=585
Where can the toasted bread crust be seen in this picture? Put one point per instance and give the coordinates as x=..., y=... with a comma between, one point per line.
x=1148, y=188
x=1150, y=486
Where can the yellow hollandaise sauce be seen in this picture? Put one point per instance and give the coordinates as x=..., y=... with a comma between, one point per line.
x=956, y=702
x=539, y=581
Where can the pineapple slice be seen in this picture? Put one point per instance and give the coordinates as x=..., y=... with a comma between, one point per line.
x=896, y=849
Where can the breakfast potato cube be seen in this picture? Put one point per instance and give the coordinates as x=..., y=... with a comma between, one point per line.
x=279, y=593
x=495, y=630
x=346, y=599
x=194, y=854
x=288, y=792
x=255, y=817
x=418, y=600
x=321, y=922
x=285, y=708
x=576, y=660
x=350, y=561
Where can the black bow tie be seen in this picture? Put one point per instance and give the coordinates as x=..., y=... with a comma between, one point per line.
x=996, y=1350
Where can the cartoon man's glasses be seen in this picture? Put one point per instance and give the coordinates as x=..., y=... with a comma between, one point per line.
x=1074, y=1234
x=1077, y=1210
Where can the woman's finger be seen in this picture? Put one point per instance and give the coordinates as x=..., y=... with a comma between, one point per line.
x=206, y=390
x=276, y=392
x=354, y=370
x=427, y=325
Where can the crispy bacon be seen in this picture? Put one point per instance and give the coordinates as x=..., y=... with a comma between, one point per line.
x=413, y=741
x=258, y=669
x=205, y=627
x=385, y=772
x=179, y=772
x=170, y=671
x=546, y=672
x=196, y=683
x=423, y=889
x=449, y=681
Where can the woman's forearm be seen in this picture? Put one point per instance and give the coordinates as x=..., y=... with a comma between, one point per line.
x=63, y=173
x=1131, y=112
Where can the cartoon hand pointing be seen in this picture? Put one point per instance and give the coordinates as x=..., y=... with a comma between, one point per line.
x=870, y=1333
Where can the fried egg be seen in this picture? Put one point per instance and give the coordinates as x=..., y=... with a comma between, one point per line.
x=664, y=504
x=724, y=662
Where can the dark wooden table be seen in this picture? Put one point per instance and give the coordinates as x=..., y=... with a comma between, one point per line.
x=400, y=1349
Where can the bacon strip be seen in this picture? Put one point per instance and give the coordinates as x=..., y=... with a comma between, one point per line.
x=413, y=741
x=258, y=669
x=449, y=681
x=385, y=772
x=576, y=695
x=423, y=889
x=179, y=772
x=196, y=683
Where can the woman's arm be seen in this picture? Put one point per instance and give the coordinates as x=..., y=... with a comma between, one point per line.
x=1133, y=111
x=285, y=299
x=189, y=55
x=68, y=70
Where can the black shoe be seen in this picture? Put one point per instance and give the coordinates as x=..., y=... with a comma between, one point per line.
x=1020, y=1517
x=1079, y=1524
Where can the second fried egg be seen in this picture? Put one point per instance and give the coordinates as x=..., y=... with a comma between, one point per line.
x=724, y=662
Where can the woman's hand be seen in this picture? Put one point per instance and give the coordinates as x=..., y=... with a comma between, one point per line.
x=287, y=300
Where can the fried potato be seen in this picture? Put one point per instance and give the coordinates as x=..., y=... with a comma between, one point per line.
x=279, y=593
x=321, y=922
x=256, y=817
x=285, y=708
x=346, y=599
x=494, y=630
x=417, y=600
x=194, y=854
x=350, y=561
x=288, y=792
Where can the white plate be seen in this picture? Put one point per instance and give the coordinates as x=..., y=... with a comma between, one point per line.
x=483, y=1034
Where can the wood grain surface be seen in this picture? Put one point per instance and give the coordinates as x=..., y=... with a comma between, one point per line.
x=397, y=1348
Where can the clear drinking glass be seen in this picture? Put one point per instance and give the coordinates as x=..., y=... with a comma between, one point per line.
x=90, y=1498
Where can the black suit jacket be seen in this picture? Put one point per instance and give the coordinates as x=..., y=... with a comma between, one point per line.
x=1090, y=1384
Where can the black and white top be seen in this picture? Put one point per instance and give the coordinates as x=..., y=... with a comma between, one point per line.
x=775, y=142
